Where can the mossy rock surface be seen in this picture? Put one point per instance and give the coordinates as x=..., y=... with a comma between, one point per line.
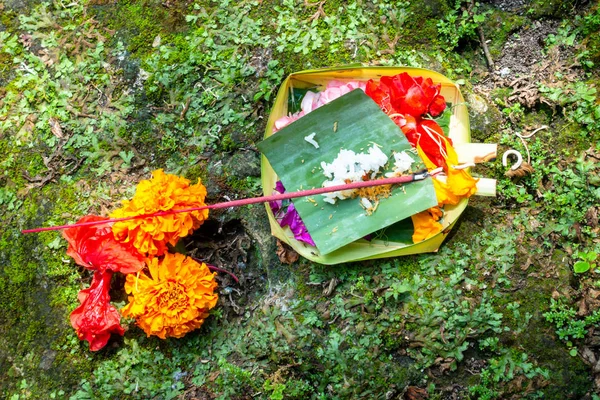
x=189, y=90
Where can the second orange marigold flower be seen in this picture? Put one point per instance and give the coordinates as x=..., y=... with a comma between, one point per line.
x=173, y=298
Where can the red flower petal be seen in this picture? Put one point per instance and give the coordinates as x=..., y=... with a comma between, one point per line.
x=395, y=91
x=433, y=141
x=415, y=102
x=374, y=91
x=95, y=248
x=409, y=128
x=96, y=319
x=380, y=94
x=430, y=89
x=437, y=106
x=408, y=81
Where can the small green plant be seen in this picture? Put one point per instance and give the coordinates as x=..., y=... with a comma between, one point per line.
x=585, y=262
x=568, y=326
x=489, y=343
x=276, y=389
x=461, y=23
x=126, y=156
x=578, y=103
x=270, y=82
x=503, y=370
x=565, y=36
x=8, y=200
x=515, y=112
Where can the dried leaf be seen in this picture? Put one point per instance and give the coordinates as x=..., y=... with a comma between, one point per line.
x=583, y=308
x=286, y=254
x=591, y=217
x=328, y=291
x=415, y=393
x=26, y=40
x=55, y=128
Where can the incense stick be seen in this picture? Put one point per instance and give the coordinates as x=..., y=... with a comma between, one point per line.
x=244, y=202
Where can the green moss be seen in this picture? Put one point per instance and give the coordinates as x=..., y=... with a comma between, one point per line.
x=499, y=95
x=407, y=266
x=570, y=136
x=198, y=171
x=536, y=118
x=35, y=287
x=8, y=19
x=569, y=375
x=552, y=8
x=227, y=144
x=420, y=26
x=593, y=45
x=36, y=165
x=590, y=26
x=485, y=121
x=17, y=265
x=142, y=135
x=138, y=22
x=498, y=26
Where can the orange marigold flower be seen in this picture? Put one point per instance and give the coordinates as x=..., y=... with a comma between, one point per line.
x=459, y=184
x=425, y=224
x=174, y=299
x=164, y=192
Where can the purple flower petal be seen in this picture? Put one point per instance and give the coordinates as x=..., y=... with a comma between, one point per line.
x=279, y=187
x=277, y=204
x=275, y=207
x=291, y=218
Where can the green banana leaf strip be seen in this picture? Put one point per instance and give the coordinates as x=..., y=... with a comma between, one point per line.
x=444, y=119
x=400, y=232
x=353, y=122
x=295, y=99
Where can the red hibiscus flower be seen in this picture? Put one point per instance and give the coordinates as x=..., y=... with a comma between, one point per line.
x=95, y=319
x=406, y=100
x=95, y=248
x=407, y=95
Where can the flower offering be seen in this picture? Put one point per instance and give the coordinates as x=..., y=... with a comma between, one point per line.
x=425, y=106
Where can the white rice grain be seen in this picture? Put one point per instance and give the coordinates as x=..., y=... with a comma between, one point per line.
x=310, y=139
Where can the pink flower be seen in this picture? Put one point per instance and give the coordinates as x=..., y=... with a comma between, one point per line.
x=285, y=121
x=312, y=100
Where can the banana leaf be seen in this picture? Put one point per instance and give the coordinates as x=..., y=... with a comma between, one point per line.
x=353, y=122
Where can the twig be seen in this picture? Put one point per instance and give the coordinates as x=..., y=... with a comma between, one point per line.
x=486, y=50
x=186, y=107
